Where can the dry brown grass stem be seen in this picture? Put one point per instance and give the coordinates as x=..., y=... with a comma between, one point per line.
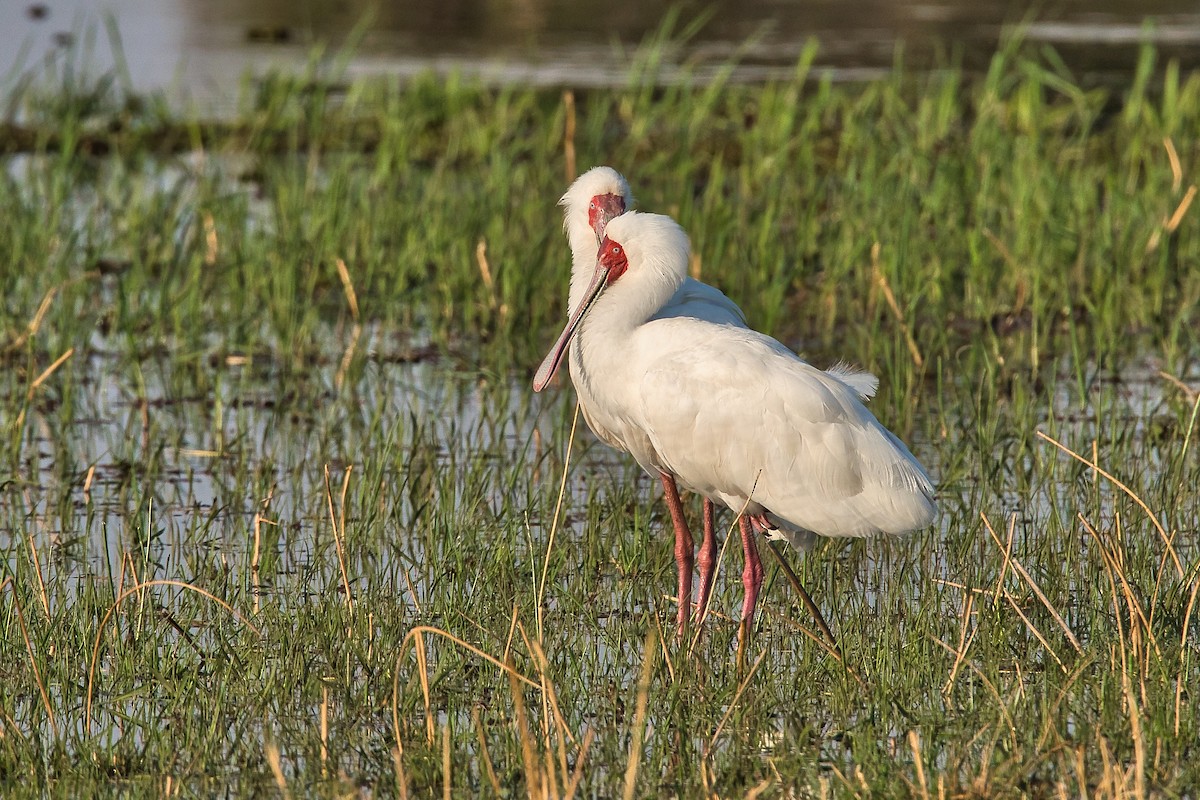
x=914, y=744
x=39, y=380
x=87, y=483
x=1181, y=209
x=356, y=329
x=759, y=789
x=36, y=561
x=846, y=782
x=551, y=706
x=512, y=632
x=401, y=776
x=569, y=135
x=882, y=282
x=139, y=587
x=1135, y=729
x=255, y=556
x=1001, y=591
x=662, y=635
x=484, y=755
x=324, y=731
x=1187, y=439
x=1188, y=392
x=577, y=773
x=1007, y=550
x=1176, y=166
x=415, y=637
x=1129, y=492
x=40, y=315
x=412, y=590
x=1079, y=763
x=1030, y=582
x=966, y=636
x=1036, y=633
x=554, y=739
x=485, y=270
x=960, y=586
x=1171, y=223
x=820, y=641
x=706, y=782
x=37, y=675
x=550, y=710
x=649, y=656
x=338, y=521
x=549, y=783
x=1137, y=618
x=533, y=773
x=423, y=676
x=348, y=288
x=212, y=243
x=275, y=761
x=562, y=492
x=1187, y=619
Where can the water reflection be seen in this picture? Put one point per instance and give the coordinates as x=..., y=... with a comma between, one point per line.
x=198, y=49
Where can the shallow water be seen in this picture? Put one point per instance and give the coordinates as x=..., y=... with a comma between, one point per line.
x=198, y=50
x=169, y=479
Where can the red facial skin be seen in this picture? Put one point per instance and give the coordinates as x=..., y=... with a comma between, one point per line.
x=612, y=257
x=602, y=209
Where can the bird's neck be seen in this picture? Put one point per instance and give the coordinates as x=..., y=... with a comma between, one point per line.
x=584, y=248
x=632, y=300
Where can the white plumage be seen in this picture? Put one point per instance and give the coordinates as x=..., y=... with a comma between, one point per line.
x=692, y=299
x=592, y=201
x=730, y=412
x=736, y=416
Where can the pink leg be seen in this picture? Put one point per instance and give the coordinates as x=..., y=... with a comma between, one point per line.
x=683, y=548
x=707, y=560
x=752, y=574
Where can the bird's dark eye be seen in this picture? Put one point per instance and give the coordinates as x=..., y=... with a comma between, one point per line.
x=592, y=206
x=616, y=249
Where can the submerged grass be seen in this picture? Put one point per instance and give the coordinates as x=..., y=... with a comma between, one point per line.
x=280, y=514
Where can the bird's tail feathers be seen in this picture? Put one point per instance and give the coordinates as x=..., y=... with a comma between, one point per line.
x=862, y=382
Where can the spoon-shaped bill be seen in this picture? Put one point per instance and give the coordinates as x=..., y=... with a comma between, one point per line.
x=554, y=358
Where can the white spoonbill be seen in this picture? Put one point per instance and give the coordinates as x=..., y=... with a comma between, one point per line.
x=731, y=413
x=595, y=198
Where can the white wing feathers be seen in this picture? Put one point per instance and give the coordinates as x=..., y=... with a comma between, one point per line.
x=704, y=302
x=735, y=415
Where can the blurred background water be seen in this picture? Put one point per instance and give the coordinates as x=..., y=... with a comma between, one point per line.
x=198, y=50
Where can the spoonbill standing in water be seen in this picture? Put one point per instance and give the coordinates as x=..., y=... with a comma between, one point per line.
x=594, y=199
x=728, y=412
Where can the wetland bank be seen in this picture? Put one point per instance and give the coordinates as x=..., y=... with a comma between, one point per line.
x=281, y=513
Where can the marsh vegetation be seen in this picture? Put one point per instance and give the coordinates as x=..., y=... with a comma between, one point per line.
x=278, y=508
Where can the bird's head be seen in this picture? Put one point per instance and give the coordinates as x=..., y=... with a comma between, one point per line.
x=594, y=199
x=651, y=246
x=654, y=243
